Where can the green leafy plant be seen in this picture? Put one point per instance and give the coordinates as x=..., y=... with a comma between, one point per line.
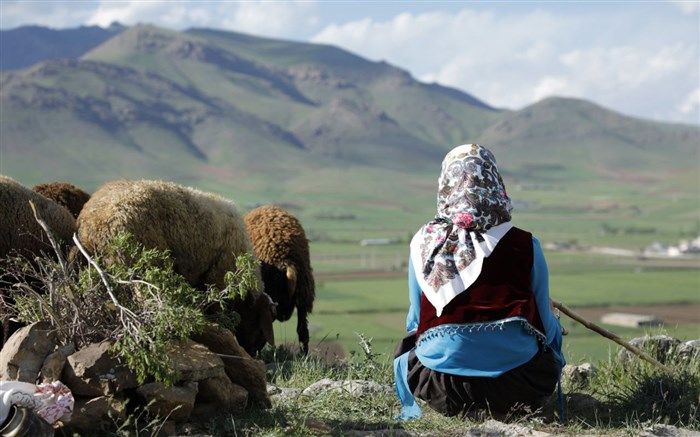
x=129, y=295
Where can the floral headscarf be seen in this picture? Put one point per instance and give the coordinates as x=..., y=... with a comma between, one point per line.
x=473, y=213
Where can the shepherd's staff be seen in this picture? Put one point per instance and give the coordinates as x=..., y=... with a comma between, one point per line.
x=607, y=334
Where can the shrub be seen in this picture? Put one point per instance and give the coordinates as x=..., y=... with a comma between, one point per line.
x=129, y=295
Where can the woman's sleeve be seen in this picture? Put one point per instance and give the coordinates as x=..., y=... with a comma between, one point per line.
x=540, y=286
x=414, y=299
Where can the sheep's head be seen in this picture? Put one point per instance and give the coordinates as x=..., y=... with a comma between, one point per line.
x=257, y=314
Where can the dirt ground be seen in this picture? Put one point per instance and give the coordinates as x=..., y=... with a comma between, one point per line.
x=670, y=314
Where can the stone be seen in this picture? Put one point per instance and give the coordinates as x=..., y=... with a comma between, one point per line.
x=355, y=387
x=495, y=428
x=52, y=369
x=174, y=403
x=282, y=394
x=660, y=347
x=219, y=396
x=194, y=362
x=689, y=349
x=240, y=367
x=94, y=371
x=578, y=375
x=97, y=413
x=660, y=430
x=24, y=353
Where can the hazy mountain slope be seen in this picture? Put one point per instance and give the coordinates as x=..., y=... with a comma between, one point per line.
x=226, y=108
x=338, y=104
x=577, y=134
x=25, y=46
x=98, y=120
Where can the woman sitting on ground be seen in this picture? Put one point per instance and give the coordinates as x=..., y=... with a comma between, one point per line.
x=481, y=329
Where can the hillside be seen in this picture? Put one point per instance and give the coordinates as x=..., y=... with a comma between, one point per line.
x=225, y=111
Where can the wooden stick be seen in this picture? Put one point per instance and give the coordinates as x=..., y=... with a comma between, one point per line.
x=609, y=335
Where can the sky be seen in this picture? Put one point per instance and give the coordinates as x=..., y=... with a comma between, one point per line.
x=639, y=58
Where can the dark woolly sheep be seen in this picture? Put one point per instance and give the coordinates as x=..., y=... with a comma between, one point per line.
x=19, y=231
x=281, y=245
x=21, y=234
x=203, y=232
x=67, y=195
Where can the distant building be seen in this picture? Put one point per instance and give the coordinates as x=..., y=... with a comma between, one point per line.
x=379, y=241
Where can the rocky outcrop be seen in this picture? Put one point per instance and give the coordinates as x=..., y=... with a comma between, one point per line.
x=24, y=353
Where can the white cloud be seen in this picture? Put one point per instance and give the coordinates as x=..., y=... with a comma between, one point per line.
x=258, y=17
x=512, y=60
x=687, y=6
x=55, y=14
x=691, y=103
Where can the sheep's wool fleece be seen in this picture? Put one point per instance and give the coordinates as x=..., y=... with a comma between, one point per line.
x=19, y=231
x=279, y=240
x=67, y=195
x=204, y=232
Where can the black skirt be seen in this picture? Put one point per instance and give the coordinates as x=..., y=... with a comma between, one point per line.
x=525, y=387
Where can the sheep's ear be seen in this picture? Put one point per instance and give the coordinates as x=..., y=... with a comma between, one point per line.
x=291, y=280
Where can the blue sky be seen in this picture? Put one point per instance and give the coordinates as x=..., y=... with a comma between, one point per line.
x=640, y=58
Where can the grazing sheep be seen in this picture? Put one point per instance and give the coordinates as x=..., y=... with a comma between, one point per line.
x=19, y=231
x=283, y=249
x=21, y=234
x=203, y=232
x=65, y=194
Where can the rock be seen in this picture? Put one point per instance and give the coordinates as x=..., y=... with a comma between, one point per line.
x=660, y=430
x=379, y=433
x=94, y=371
x=52, y=369
x=175, y=403
x=219, y=396
x=585, y=406
x=25, y=351
x=98, y=413
x=660, y=346
x=494, y=428
x=578, y=376
x=689, y=349
x=283, y=394
x=240, y=367
x=194, y=362
x=355, y=387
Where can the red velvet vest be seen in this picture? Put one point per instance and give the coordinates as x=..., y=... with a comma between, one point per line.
x=502, y=290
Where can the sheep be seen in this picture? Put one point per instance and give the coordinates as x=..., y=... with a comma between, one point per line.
x=203, y=232
x=65, y=194
x=281, y=245
x=21, y=234
x=19, y=230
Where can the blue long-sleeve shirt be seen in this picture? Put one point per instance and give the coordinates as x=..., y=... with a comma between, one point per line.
x=479, y=349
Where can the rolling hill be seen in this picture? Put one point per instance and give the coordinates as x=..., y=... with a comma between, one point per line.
x=279, y=120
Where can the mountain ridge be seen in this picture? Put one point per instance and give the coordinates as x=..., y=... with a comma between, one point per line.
x=214, y=104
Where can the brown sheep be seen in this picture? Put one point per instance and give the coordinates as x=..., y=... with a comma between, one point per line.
x=21, y=234
x=281, y=245
x=203, y=232
x=67, y=195
x=19, y=231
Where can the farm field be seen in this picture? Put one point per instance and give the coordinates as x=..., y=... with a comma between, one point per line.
x=376, y=304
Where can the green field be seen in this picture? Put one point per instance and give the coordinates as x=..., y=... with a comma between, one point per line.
x=377, y=307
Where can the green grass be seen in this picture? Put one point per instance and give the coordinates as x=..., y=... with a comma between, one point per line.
x=377, y=307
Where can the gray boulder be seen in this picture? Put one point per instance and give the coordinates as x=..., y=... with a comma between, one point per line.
x=175, y=403
x=24, y=353
x=94, y=371
x=355, y=387
x=661, y=347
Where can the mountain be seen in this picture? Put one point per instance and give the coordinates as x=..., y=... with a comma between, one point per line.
x=279, y=118
x=26, y=45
